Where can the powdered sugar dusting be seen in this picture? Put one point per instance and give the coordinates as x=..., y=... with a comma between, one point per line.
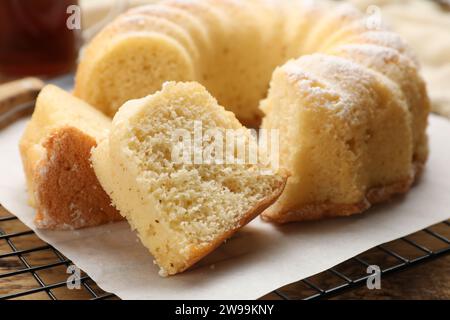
x=386, y=39
x=374, y=56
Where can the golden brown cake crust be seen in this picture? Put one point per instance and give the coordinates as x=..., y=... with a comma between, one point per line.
x=68, y=194
x=318, y=211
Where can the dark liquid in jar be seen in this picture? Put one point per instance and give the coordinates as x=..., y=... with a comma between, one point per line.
x=35, y=39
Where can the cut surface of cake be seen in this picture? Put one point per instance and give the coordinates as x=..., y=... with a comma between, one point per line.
x=55, y=150
x=183, y=209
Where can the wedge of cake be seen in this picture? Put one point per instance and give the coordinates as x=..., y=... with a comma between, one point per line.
x=183, y=207
x=55, y=150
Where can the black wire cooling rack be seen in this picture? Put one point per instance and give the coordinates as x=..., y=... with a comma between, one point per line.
x=32, y=269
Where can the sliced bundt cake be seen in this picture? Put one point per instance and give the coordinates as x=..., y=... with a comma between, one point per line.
x=233, y=47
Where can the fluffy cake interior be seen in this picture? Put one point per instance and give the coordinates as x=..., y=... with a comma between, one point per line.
x=137, y=61
x=182, y=210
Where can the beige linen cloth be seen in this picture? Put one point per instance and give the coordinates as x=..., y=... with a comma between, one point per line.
x=426, y=26
x=423, y=23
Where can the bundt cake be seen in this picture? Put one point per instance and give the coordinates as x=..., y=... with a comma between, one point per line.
x=55, y=150
x=183, y=209
x=351, y=109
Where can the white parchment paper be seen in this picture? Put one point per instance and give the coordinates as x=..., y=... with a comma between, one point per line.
x=260, y=258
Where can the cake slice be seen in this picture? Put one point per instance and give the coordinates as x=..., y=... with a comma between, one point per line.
x=183, y=208
x=55, y=151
